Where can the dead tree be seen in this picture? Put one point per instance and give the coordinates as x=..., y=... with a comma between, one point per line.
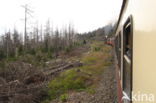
x=27, y=11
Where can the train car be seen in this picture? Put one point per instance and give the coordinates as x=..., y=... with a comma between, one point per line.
x=135, y=52
x=110, y=41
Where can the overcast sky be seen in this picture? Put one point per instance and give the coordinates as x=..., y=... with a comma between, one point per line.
x=85, y=15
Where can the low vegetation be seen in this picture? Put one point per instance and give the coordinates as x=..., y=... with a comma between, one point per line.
x=64, y=97
x=82, y=78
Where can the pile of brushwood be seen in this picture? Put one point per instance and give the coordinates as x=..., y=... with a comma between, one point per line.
x=23, y=83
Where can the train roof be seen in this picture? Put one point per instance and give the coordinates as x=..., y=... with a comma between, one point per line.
x=121, y=12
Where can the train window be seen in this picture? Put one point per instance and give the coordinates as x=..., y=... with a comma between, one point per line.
x=128, y=41
x=119, y=49
x=116, y=46
x=127, y=56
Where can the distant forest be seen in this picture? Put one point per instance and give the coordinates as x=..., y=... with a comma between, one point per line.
x=45, y=40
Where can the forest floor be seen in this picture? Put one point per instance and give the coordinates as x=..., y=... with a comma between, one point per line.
x=84, y=75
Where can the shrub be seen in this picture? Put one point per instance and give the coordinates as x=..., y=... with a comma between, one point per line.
x=64, y=97
x=97, y=48
x=68, y=49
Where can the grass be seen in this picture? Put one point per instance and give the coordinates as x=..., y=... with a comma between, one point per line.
x=91, y=90
x=83, y=78
x=68, y=80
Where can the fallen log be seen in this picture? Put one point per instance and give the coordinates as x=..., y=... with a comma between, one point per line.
x=64, y=67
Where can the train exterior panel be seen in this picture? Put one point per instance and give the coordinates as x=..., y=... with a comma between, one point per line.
x=136, y=51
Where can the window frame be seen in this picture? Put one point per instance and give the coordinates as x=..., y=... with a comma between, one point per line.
x=127, y=24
